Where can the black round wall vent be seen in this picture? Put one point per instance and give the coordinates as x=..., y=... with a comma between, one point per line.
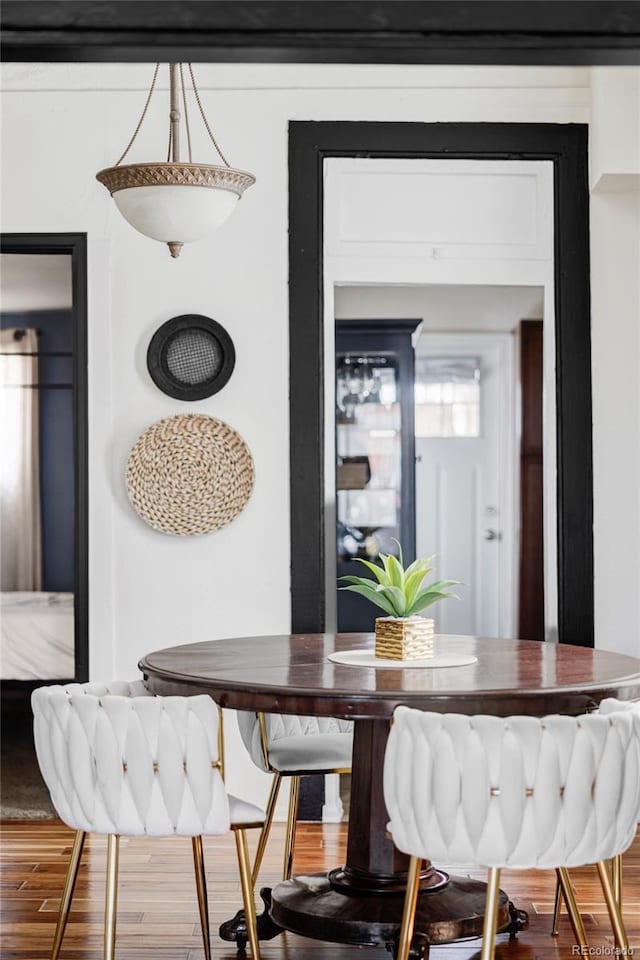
x=190, y=357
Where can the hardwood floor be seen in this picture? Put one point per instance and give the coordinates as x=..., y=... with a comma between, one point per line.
x=158, y=914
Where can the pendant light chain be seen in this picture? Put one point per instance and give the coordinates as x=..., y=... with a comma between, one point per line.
x=186, y=114
x=143, y=115
x=204, y=119
x=196, y=94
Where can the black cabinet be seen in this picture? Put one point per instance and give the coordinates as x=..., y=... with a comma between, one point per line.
x=375, y=452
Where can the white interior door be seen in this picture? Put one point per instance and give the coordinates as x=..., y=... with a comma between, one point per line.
x=465, y=477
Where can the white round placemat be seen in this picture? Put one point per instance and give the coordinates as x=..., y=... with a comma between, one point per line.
x=367, y=658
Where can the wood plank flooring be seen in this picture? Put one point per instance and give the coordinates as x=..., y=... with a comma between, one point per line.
x=158, y=915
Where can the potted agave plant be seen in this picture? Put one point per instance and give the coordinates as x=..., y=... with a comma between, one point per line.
x=402, y=594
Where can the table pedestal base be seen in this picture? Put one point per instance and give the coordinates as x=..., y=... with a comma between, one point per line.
x=311, y=907
x=235, y=929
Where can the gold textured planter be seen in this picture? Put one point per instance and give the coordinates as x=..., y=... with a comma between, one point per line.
x=409, y=638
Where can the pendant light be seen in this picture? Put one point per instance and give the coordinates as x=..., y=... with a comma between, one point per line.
x=173, y=201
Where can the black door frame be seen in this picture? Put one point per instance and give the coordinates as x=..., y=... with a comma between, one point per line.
x=566, y=146
x=75, y=245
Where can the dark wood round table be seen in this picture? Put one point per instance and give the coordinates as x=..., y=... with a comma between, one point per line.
x=361, y=901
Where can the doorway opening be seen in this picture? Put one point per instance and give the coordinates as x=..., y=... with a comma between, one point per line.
x=459, y=394
x=43, y=493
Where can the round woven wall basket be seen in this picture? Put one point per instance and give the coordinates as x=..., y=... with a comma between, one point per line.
x=189, y=474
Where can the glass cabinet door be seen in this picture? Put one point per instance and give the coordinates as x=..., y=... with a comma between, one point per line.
x=375, y=454
x=369, y=455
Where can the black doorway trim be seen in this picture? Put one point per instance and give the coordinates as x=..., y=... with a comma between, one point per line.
x=317, y=31
x=566, y=146
x=74, y=244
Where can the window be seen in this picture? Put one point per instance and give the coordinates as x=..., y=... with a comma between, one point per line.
x=447, y=396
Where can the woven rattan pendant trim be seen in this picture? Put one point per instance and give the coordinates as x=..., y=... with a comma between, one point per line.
x=189, y=474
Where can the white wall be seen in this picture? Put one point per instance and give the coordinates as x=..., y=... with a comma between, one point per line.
x=35, y=283
x=615, y=292
x=615, y=346
x=446, y=309
x=615, y=141
x=61, y=123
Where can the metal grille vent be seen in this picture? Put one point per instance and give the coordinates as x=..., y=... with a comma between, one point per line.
x=190, y=357
x=194, y=356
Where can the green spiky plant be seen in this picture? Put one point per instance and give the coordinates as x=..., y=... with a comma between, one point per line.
x=400, y=592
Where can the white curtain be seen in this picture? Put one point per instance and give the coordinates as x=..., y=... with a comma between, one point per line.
x=20, y=523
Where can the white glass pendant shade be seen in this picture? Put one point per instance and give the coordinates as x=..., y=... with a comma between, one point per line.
x=175, y=214
x=175, y=203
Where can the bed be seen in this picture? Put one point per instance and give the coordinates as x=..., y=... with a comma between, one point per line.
x=37, y=636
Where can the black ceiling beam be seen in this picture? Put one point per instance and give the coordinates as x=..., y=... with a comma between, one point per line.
x=329, y=31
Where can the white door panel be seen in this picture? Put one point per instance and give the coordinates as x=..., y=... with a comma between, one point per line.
x=464, y=494
x=446, y=512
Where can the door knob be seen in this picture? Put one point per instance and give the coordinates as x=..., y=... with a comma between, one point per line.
x=492, y=535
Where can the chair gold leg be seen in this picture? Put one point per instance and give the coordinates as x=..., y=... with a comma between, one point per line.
x=614, y=911
x=201, y=889
x=67, y=893
x=409, y=909
x=246, y=883
x=616, y=876
x=111, y=898
x=572, y=909
x=266, y=827
x=292, y=822
x=557, y=904
x=491, y=915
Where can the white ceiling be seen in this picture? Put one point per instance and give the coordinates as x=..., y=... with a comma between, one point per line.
x=34, y=281
x=443, y=308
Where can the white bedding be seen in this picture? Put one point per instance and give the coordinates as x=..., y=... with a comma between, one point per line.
x=37, y=636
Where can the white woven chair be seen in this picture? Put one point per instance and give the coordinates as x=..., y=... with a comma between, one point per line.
x=518, y=792
x=119, y=761
x=606, y=707
x=290, y=746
